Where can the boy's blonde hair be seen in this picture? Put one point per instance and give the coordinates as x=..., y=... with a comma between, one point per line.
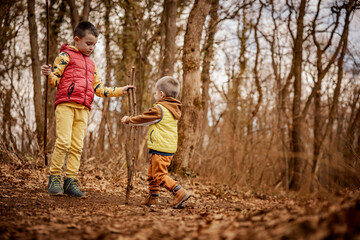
x=169, y=85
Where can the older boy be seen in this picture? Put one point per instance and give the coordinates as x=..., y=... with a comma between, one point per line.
x=76, y=78
x=162, y=140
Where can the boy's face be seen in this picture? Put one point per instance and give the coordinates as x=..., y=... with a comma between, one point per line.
x=86, y=44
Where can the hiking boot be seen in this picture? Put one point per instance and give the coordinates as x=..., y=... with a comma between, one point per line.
x=151, y=199
x=71, y=188
x=54, y=186
x=180, y=196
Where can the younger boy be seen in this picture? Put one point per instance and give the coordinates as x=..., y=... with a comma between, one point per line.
x=162, y=120
x=76, y=78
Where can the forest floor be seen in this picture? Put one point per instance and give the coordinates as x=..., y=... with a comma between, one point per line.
x=213, y=212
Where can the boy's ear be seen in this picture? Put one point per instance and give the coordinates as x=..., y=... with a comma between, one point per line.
x=162, y=94
x=76, y=39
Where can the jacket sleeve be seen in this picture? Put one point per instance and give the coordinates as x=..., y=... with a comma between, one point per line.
x=153, y=115
x=60, y=63
x=102, y=91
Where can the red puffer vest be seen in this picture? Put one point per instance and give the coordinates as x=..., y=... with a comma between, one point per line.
x=76, y=84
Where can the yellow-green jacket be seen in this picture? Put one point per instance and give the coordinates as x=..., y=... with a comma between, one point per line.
x=162, y=120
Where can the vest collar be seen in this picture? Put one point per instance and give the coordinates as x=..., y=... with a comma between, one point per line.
x=68, y=47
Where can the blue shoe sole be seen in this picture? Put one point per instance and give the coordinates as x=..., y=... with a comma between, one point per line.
x=182, y=201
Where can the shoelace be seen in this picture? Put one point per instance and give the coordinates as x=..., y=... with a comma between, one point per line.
x=56, y=181
x=74, y=184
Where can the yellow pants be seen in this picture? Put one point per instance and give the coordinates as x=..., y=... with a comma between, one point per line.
x=71, y=124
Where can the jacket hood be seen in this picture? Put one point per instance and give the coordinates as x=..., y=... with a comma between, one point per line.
x=68, y=47
x=173, y=105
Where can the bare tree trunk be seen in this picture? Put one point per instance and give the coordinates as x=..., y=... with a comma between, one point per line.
x=6, y=120
x=317, y=128
x=340, y=65
x=296, y=144
x=86, y=10
x=250, y=122
x=234, y=93
x=256, y=70
x=321, y=73
x=128, y=45
x=105, y=112
x=38, y=103
x=10, y=14
x=192, y=107
x=56, y=18
x=74, y=12
x=281, y=96
x=356, y=152
x=349, y=144
x=207, y=59
x=320, y=137
x=170, y=7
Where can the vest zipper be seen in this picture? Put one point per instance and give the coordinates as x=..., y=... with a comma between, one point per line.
x=85, y=79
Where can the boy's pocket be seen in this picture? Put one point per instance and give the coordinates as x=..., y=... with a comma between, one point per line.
x=71, y=89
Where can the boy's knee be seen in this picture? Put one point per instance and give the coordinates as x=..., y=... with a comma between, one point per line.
x=62, y=146
x=159, y=178
x=75, y=149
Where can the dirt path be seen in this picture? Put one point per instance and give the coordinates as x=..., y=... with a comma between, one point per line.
x=214, y=212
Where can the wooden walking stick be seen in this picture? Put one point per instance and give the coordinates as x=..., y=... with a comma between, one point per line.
x=132, y=91
x=47, y=79
x=130, y=143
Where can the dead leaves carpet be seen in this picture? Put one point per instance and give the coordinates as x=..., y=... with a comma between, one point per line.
x=213, y=212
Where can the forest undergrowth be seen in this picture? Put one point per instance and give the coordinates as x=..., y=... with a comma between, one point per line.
x=215, y=211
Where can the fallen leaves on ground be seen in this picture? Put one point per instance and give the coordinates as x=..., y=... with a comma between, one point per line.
x=213, y=212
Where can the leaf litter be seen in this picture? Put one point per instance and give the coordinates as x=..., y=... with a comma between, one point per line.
x=214, y=211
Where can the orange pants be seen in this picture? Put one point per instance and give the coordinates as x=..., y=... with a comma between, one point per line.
x=157, y=173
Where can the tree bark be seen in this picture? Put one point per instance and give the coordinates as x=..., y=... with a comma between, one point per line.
x=256, y=70
x=35, y=65
x=74, y=12
x=6, y=119
x=192, y=107
x=348, y=144
x=297, y=158
x=321, y=73
x=207, y=59
x=235, y=133
x=106, y=104
x=86, y=10
x=56, y=18
x=170, y=9
x=281, y=97
x=319, y=137
x=340, y=72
